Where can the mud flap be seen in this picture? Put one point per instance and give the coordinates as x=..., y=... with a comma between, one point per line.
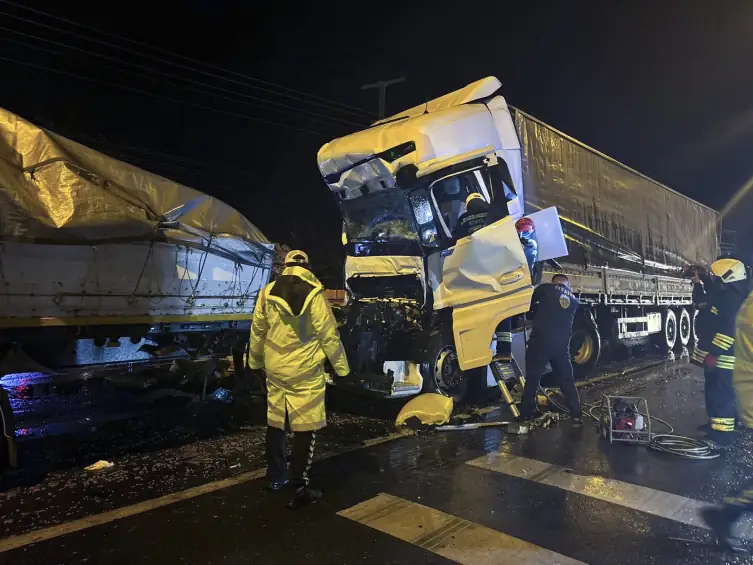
x=426, y=410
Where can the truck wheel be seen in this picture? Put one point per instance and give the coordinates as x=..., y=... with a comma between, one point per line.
x=694, y=329
x=667, y=337
x=441, y=370
x=684, y=329
x=585, y=346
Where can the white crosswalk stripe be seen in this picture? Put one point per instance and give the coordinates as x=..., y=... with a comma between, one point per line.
x=449, y=536
x=645, y=499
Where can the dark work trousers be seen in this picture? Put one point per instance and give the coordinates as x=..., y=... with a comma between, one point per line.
x=301, y=456
x=542, y=350
x=503, y=333
x=720, y=404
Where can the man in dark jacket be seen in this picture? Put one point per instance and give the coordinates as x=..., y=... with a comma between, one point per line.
x=721, y=519
x=474, y=217
x=553, y=307
x=701, y=295
x=728, y=295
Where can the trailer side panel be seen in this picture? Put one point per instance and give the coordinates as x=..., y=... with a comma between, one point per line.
x=613, y=215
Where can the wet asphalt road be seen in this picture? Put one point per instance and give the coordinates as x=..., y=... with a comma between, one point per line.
x=440, y=497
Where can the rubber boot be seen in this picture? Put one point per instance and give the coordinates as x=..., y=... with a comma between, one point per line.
x=304, y=496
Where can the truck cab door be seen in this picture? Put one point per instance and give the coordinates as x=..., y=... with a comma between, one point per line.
x=483, y=279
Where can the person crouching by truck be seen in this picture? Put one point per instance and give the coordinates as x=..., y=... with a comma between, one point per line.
x=292, y=335
x=553, y=307
x=721, y=519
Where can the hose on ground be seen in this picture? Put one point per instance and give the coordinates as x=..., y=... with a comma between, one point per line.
x=681, y=446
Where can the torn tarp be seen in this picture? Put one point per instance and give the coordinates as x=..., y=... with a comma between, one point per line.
x=54, y=190
x=612, y=215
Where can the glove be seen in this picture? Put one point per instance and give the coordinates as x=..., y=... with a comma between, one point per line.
x=710, y=361
x=347, y=380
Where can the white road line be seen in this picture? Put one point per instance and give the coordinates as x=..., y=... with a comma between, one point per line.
x=449, y=536
x=15, y=542
x=645, y=499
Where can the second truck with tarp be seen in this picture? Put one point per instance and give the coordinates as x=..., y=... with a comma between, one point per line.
x=423, y=305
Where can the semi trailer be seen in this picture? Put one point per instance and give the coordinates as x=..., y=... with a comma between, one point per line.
x=423, y=304
x=102, y=262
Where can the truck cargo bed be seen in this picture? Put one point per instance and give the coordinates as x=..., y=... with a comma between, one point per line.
x=620, y=287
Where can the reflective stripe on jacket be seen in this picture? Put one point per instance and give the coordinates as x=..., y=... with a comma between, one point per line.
x=725, y=304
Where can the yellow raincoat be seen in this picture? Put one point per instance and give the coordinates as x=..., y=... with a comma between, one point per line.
x=742, y=378
x=292, y=334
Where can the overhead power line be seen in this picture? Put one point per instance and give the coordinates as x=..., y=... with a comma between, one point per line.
x=296, y=111
x=188, y=171
x=160, y=96
x=330, y=104
x=125, y=148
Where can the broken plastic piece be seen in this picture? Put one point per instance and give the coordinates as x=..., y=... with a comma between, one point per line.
x=99, y=465
x=517, y=428
x=430, y=409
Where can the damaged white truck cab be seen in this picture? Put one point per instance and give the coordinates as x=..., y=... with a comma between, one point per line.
x=423, y=305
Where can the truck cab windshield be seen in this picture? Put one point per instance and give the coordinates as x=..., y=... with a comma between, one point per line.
x=379, y=217
x=381, y=223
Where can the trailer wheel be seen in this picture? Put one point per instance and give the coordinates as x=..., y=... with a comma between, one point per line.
x=441, y=370
x=667, y=337
x=684, y=328
x=694, y=329
x=585, y=345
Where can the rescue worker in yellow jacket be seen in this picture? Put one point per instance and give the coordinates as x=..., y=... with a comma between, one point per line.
x=292, y=335
x=728, y=293
x=722, y=518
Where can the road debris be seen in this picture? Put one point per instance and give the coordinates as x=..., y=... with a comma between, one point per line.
x=100, y=465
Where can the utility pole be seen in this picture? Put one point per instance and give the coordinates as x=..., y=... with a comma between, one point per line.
x=382, y=86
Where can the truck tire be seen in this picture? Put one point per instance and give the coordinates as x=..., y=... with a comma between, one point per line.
x=585, y=346
x=441, y=369
x=694, y=329
x=666, y=339
x=684, y=329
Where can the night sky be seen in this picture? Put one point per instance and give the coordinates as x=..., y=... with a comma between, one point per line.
x=665, y=87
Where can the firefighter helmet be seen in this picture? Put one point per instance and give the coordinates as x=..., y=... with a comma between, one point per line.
x=729, y=270
x=471, y=197
x=525, y=227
